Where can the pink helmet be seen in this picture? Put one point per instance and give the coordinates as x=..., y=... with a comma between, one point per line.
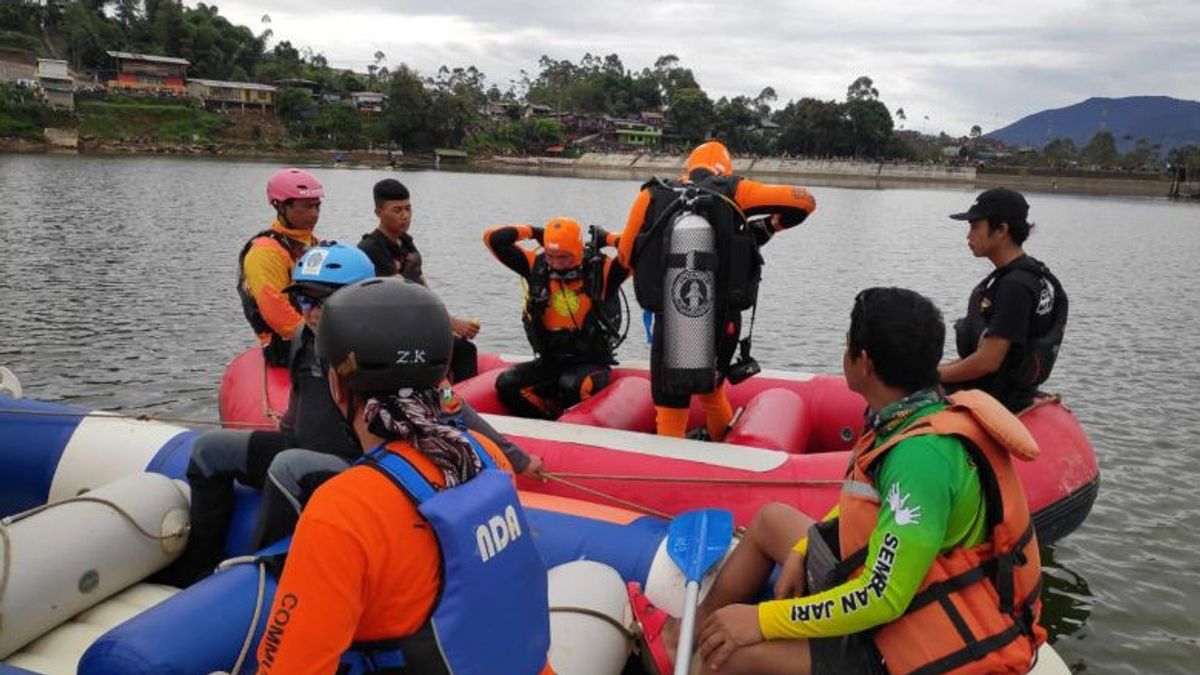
x=292, y=183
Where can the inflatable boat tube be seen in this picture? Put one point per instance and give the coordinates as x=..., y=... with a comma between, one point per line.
x=589, y=619
x=53, y=451
x=204, y=628
x=58, y=652
x=63, y=558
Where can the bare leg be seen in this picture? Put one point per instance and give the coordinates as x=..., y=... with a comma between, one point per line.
x=770, y=538
x=785, y=657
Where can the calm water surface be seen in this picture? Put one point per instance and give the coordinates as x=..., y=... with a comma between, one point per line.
x=117, y=291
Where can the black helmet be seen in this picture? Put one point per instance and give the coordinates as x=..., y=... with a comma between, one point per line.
x=385, y=334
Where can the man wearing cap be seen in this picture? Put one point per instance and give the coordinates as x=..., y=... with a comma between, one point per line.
x=571, y=315
x=392, y=249
x=1009, y=339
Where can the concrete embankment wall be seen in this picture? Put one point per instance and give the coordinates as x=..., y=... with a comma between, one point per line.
x=669, y=164
x=62, y=138
x=849, y=173
x=1152, y=185
x=605, y=161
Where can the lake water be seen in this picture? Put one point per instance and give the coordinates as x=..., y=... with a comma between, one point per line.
x=117, y=292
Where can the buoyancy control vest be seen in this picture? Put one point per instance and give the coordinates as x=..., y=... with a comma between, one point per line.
x=977, y=608
x=275, y=351
x=492, y=614
x=1027, y=366
x=595, y=338
x=739, y=264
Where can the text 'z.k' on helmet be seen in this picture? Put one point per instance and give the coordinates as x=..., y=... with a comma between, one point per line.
x=713, y=156
x=292, y=183
x=564, y=234
x=327, y=267
x=385, y=334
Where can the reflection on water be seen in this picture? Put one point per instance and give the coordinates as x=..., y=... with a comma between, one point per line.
x=118, y=292
x=1066, y=598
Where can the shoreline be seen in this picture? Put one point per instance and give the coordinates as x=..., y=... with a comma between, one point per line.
x=853, y=174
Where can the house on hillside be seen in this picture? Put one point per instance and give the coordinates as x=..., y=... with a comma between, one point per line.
x=58, y=87
x=636, y=134
x=498, y=110
x=147, y=74
x=310, y=86
x=222, y=95
x=368, y=102
x=654, y=118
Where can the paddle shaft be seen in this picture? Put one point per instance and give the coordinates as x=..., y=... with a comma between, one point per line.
x=687, y=629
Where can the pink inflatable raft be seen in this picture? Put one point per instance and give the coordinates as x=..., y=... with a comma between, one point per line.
x=790, y=444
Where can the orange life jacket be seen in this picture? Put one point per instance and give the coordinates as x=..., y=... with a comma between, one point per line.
x=977, y=609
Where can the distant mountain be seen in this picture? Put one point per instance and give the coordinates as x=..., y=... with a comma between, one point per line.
x=1159, y=119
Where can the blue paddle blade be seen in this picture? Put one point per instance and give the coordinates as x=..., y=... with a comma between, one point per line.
x=696, y=540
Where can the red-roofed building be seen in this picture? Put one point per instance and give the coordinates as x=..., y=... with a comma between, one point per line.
x=146, y=73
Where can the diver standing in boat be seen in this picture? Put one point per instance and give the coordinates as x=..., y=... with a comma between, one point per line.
x=1009, y=339
x=929, y=563
x=265, y=263
x=572, y=314
x=312, y=443
x=418, y=559
x=391, y=248
x=692, y=244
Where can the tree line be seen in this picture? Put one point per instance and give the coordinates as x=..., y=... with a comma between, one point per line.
x=449, y=108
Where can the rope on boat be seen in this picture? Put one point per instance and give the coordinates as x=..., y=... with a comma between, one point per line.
x=142, y=417
x=258, y=603
x=749, y=482
x=6, y=522
x=604, y=495
x=587, y=611
x=266, y=401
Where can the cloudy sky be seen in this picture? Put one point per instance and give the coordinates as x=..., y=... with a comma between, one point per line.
x=948, y=64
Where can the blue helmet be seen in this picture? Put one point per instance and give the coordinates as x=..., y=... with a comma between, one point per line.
x=326, y=267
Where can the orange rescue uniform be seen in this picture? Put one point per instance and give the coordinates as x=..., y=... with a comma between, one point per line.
x=364, y=565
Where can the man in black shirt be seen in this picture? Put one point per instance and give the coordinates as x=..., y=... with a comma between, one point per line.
x=391, y=248
x=1009, y=339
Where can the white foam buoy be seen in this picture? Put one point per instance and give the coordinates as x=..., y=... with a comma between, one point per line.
x=1049, y=662
x=60, y=559
x=665, y=583
x=9, y=384
x=590, y=619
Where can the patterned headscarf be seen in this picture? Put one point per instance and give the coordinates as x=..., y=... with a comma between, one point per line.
x=412, y=416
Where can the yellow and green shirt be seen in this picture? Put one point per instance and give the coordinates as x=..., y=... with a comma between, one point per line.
x=931, y=503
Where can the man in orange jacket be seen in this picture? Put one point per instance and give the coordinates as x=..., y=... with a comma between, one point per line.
x=418, y=559
x=733, y=206
x=572, y=314
x=266, y=261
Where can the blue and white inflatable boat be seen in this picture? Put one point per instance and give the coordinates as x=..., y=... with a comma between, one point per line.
x=91, y=504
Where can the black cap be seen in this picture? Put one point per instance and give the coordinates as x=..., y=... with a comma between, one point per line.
x=998, y=205
x=390, y=189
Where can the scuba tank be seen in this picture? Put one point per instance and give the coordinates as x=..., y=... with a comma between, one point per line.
x=689, y=306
